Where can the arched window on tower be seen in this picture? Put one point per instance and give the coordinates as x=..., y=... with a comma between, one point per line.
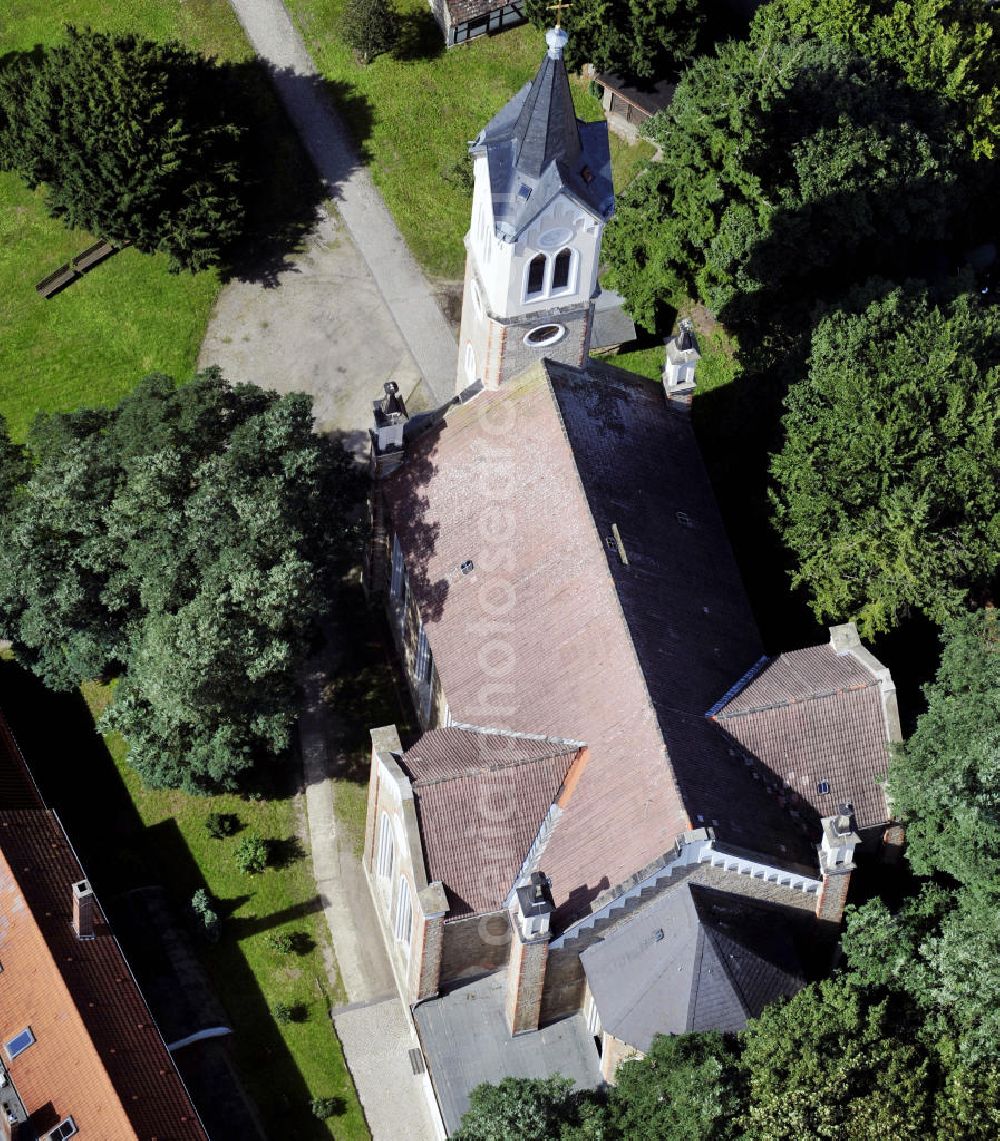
x=560, y=271
x=536, y=275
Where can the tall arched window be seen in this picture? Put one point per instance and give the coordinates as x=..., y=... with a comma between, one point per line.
x=560, y=271
x=536, y=275
x=404, y=914
x=386, y=852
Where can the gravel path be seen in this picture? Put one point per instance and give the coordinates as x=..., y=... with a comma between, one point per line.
x=396, y=275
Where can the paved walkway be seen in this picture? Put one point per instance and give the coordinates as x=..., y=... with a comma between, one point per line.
x=373, y=1027
x=396, y=275
x=323, y=329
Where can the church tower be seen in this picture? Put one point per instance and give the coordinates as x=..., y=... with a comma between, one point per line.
x=542, y=195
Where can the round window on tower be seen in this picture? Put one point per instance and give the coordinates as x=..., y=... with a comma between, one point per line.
x=558, y=236
x=544, y=335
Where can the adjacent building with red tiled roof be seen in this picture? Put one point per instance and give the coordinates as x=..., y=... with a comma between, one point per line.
x=79, y=1050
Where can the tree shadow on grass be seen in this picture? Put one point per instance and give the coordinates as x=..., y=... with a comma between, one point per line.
x=419, y=37
x=80, y=782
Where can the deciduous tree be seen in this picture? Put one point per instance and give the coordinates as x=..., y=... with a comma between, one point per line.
x=640, y=39
x=183, y=542
x=887, y=489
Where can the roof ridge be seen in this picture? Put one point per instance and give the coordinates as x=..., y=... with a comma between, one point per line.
x=815, y=695
x=512, y=734
x=608, y=577
x=484, y=769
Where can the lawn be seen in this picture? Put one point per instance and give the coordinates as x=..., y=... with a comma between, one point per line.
x=92, y=342
x=414, y=111
x=282, y=899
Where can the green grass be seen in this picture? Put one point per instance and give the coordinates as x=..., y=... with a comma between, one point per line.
x=414, y=111
x=281, y=898
x=91, y=343
x=208, y=26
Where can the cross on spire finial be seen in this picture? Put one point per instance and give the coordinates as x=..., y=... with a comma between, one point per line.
x=559, y=7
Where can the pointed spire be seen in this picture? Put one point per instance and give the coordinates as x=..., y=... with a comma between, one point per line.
x=546, y=129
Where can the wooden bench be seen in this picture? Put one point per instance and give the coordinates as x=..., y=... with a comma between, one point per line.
x=81, y=264
x=93, y=255
x=56, y=281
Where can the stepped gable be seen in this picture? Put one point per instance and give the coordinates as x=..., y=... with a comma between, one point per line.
x=624, y=657
x=694, y=959
x=481, y=798
x=536, y=148
x=815, y=718
x=97, y=1055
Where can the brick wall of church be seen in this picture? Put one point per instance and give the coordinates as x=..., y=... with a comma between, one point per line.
x=474, y=946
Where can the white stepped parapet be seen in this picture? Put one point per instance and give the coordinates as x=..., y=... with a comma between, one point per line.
x=699, y=848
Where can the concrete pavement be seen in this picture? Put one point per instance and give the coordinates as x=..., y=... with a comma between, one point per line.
x=320, y=327
x=396, y=275
x=374, y=1028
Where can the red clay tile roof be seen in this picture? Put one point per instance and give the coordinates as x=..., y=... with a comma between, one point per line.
x=814, y=715
x=552, y=634
x=481, y=799
x=98, y=1055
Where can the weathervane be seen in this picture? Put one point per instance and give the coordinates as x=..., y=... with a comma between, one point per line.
x=559, y=8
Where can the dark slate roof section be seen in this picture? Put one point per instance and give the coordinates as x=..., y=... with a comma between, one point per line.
x=537, y=148
x=612, y=325
x=546, y=130
x=481, y=799
x=465, y=1040
x=694, y=959
x=680, y=592
x=814, y=718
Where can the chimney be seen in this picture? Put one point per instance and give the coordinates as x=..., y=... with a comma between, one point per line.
x=836, y=862
x=387, y=434
x=682, y=360
x=83, y=910
x=531, y=912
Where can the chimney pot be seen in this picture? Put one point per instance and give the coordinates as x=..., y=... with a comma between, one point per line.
x=83, y=910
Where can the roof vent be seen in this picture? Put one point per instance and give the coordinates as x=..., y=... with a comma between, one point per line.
x=658, y=935
x=524, y=192
x=467, y=567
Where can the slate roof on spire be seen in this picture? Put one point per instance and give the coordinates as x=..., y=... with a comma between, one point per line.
x=536, y=147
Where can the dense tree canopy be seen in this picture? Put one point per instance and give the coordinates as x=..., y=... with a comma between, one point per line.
x=832, y=1063
x=134, y=141
x=945, y=782
x=795, y=166
x=948, y=47
x=183, y=542
x=639, y=39
x=942, y=946
x=888, y=485
x=687, y=1088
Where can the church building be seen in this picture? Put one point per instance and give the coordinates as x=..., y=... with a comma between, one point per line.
x=622, y=818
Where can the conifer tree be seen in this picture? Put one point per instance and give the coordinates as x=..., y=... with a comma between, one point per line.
x=134, y=141
x=370, y=27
